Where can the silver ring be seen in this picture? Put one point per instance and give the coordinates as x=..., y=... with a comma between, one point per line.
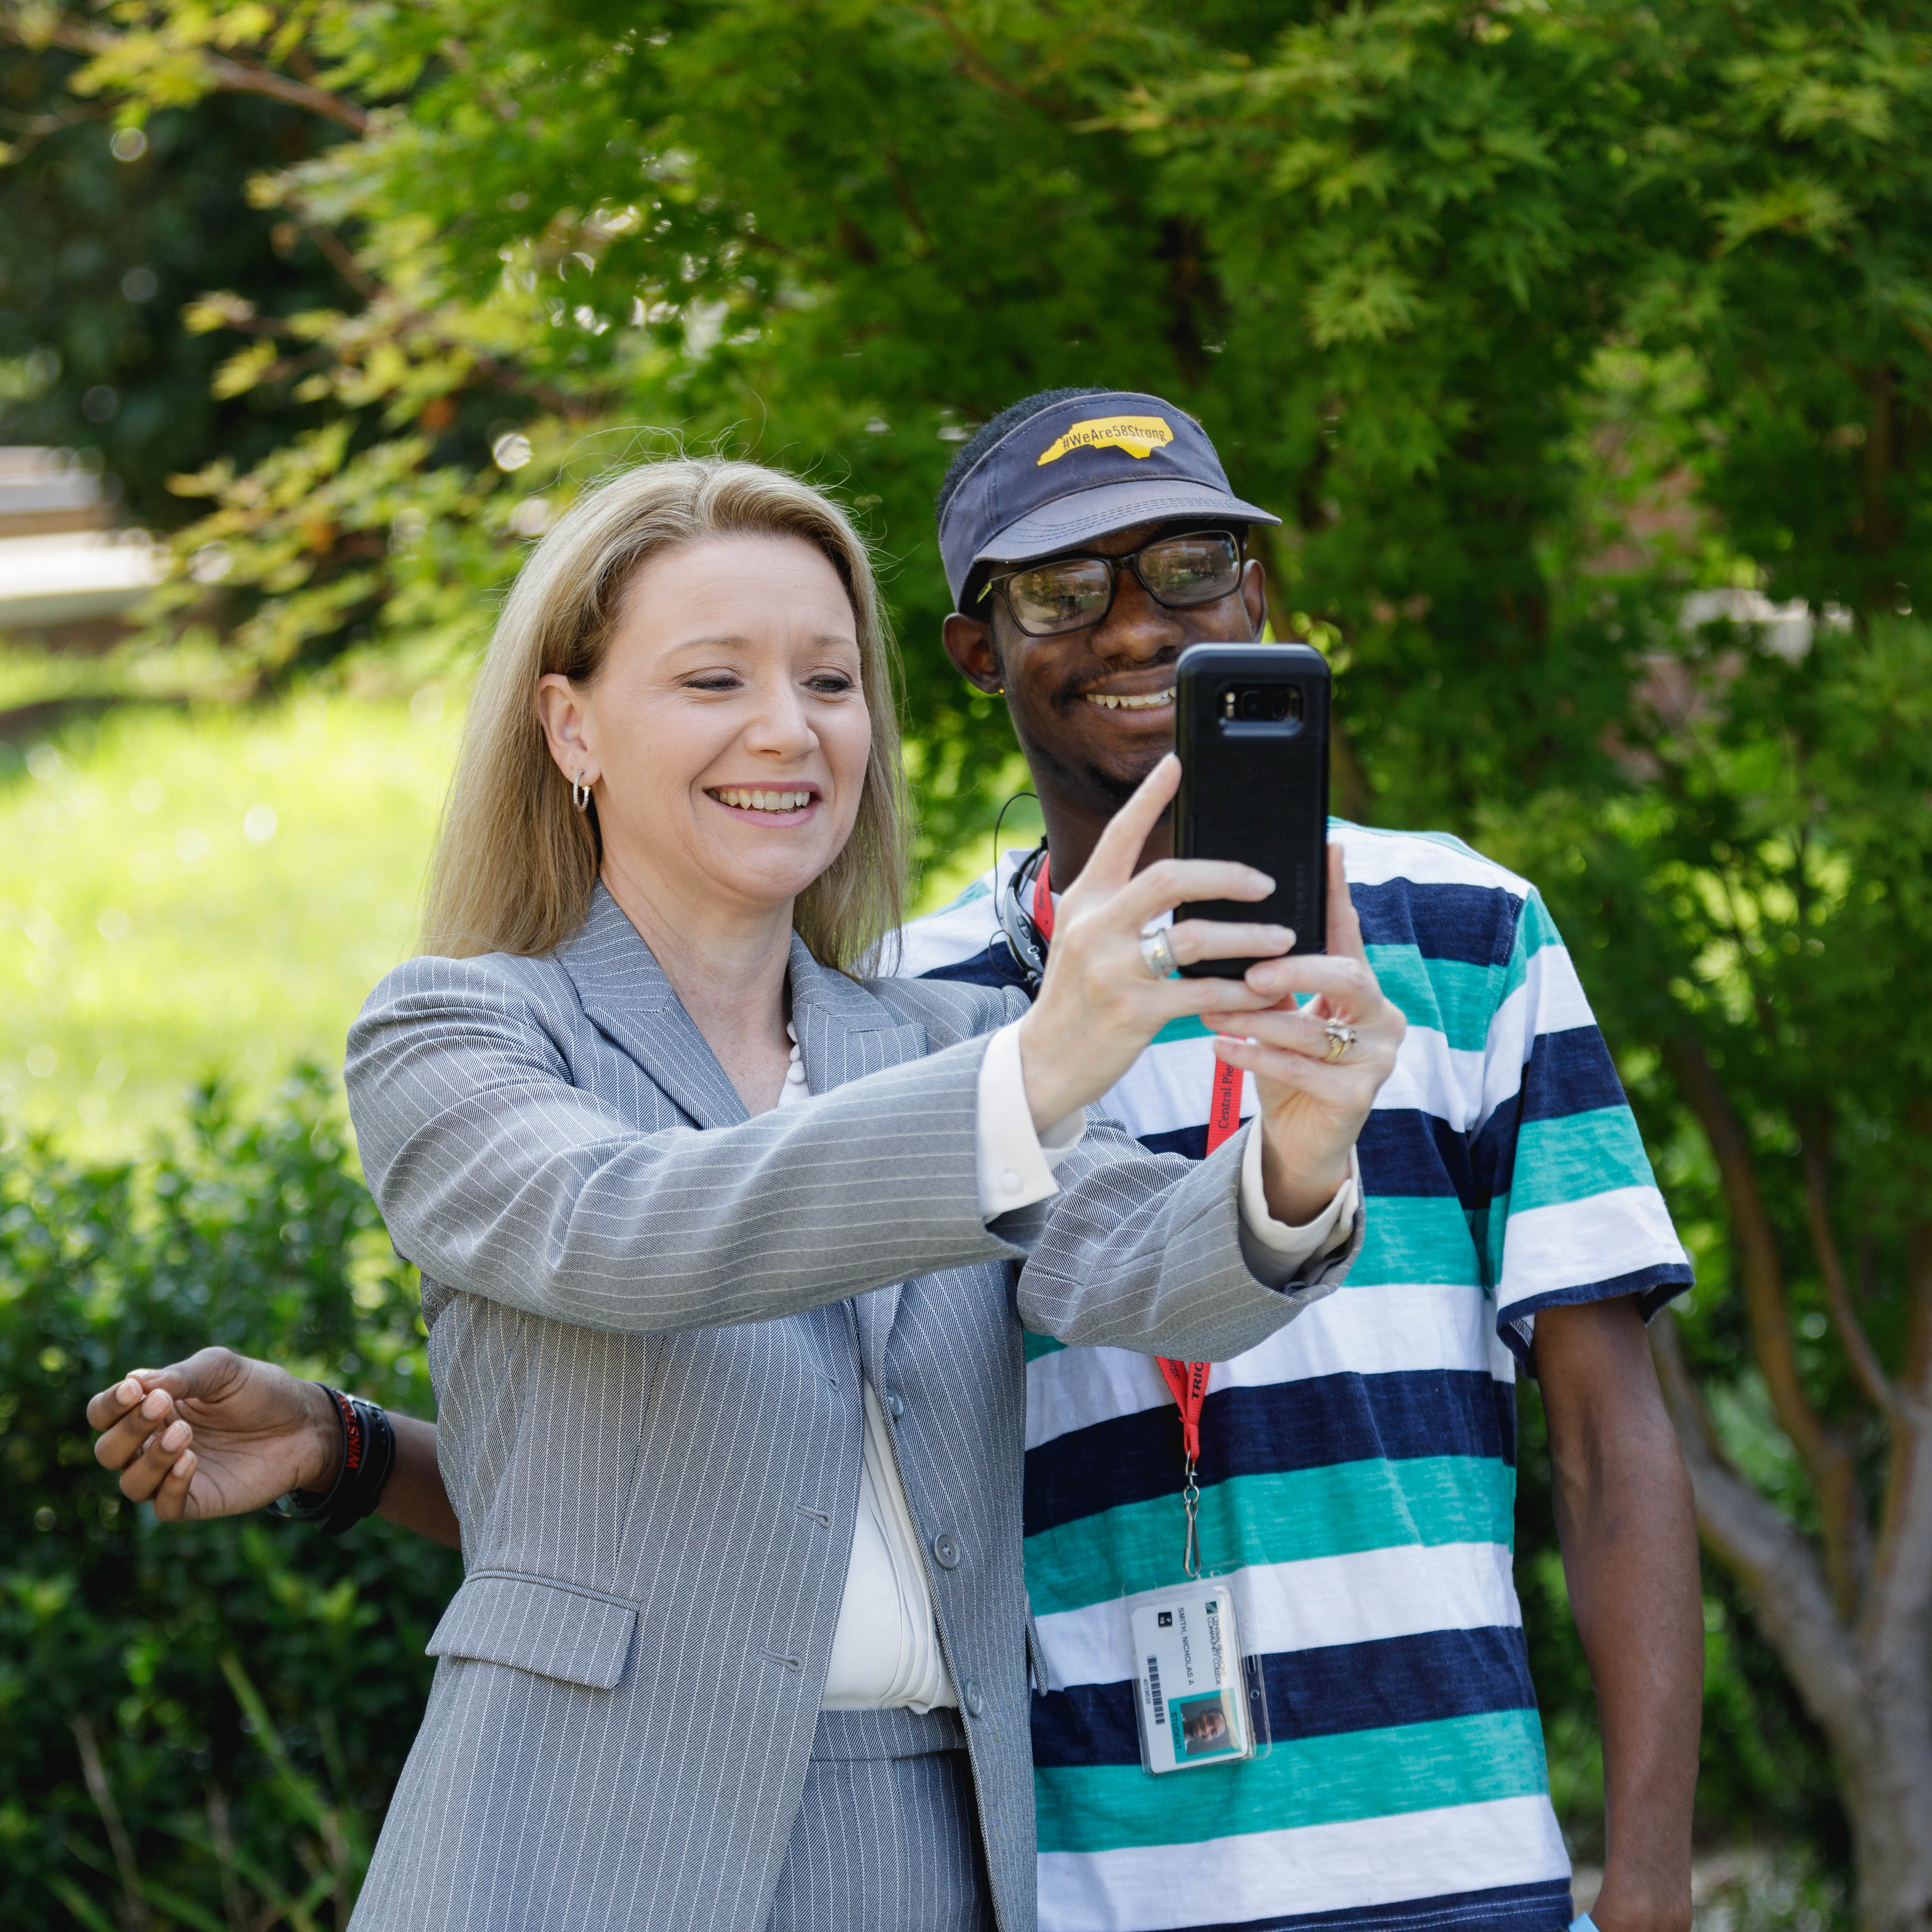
x=1341, y=1038
x=1157, y=955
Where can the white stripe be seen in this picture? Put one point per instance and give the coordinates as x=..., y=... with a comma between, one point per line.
x=1391, y=1329
x=1435, y=1077
x=1364, y=1597
x=1374, y=858
x=1316, y=1868
x=1166, y=1089
x=1574, y=1243
x=955, y=931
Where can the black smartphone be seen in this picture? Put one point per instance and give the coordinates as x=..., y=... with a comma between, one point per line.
x=1251, y=725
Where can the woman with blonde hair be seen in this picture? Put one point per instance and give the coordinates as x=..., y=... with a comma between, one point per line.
x=725, y=1250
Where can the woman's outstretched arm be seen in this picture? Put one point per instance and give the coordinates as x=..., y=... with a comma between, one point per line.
x=221, y=1434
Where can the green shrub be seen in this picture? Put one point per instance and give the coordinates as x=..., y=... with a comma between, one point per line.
x=247, y=1690
x=199, y=1724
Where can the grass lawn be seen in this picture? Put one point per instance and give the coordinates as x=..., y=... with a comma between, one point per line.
x=184, y=893
x=215, y=889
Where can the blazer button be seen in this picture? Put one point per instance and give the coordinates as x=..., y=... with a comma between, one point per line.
x=894, y=1407
x=974, y=1702
x=946, y=1550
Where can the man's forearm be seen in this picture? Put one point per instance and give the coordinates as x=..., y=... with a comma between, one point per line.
x=414, y=1495
x=1629, y=1537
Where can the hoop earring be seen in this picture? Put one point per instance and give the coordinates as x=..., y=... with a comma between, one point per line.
x=580, y=793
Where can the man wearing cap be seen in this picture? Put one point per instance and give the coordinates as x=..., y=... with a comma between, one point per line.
x=1356, y=1472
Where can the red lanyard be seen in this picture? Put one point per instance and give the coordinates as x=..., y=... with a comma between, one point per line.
x=1187, y=1381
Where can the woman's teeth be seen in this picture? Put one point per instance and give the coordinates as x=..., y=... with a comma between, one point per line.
x=1148, y=703
x=763, y=801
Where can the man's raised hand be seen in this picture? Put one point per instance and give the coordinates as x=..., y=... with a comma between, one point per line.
x=219, y=1434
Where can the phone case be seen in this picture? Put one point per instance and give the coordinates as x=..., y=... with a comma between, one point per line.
x=1256, y=789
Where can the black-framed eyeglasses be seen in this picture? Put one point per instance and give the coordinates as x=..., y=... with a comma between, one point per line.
x=1068, y=593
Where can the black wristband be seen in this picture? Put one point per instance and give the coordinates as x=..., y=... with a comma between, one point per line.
x=368, y=1455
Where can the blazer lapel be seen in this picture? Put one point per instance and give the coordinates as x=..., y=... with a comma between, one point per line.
x=844, y=1033
x=624, y=992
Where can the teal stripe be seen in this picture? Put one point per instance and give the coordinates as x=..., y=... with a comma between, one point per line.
x=1415, y=1238
x=1037, y=1346
x=1326, y=1780
x=1569, y=1159
x=1449, y=996
x=1489, y=1225
x=1536, y=929
x=1186, y=1028
x=1285, y=1516
x=1410, y=1239
x=978, y=889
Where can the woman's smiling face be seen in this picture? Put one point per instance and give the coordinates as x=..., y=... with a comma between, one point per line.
x=726, y=735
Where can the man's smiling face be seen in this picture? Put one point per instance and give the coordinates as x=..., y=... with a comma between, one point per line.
x=1093, y=708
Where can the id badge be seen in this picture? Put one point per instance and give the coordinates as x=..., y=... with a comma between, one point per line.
x=1195, y=1704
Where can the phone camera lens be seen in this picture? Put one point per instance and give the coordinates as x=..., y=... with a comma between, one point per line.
x=1253, y=704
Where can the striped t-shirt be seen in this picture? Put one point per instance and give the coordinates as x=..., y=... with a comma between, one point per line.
x=1358, y=1471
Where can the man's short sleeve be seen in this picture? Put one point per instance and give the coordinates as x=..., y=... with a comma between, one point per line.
x=1573, y=1212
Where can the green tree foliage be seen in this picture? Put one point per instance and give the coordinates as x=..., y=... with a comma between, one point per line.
x=101, y=254
x=201, y=1722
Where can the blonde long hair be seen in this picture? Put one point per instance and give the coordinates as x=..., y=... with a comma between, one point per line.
x=515, y=863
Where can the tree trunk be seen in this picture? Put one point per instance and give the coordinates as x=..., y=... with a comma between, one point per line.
x=1889, y=1794
x=1868, y=1686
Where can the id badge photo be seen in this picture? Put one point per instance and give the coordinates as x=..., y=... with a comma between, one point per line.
x=1195, y=1702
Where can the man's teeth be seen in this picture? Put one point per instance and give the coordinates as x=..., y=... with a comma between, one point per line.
x=763, y=801
x=1148, y=703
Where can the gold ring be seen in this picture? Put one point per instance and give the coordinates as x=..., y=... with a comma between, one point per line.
x=1341, y=1038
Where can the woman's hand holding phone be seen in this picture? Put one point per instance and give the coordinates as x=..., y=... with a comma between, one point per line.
x=1100, y=1007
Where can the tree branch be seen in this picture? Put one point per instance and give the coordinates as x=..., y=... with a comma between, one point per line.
x=40, y=128
x=499, y=374
x=1789, y=1593
x=344, y=264
x=224, y=74
x=1827, y=1462
x=133, y=1903
x=1814, y=1156
x=1901, y=1590
x=977, y=62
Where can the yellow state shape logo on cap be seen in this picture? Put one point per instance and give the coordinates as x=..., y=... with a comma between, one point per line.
x=1138, y=436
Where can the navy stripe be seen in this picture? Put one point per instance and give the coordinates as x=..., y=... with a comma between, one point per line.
x=1653, y=1287
x=1408, y=1150
x=993, y=965
x=1280, y=1425
x=1314, y=1693
x=1475, y=924
x=1544, y=1906
x=1568, y=1073
x=1403, y=1149
x=1192, y=1141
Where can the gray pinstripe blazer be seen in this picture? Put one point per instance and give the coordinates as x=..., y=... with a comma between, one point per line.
x=647, y=1344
